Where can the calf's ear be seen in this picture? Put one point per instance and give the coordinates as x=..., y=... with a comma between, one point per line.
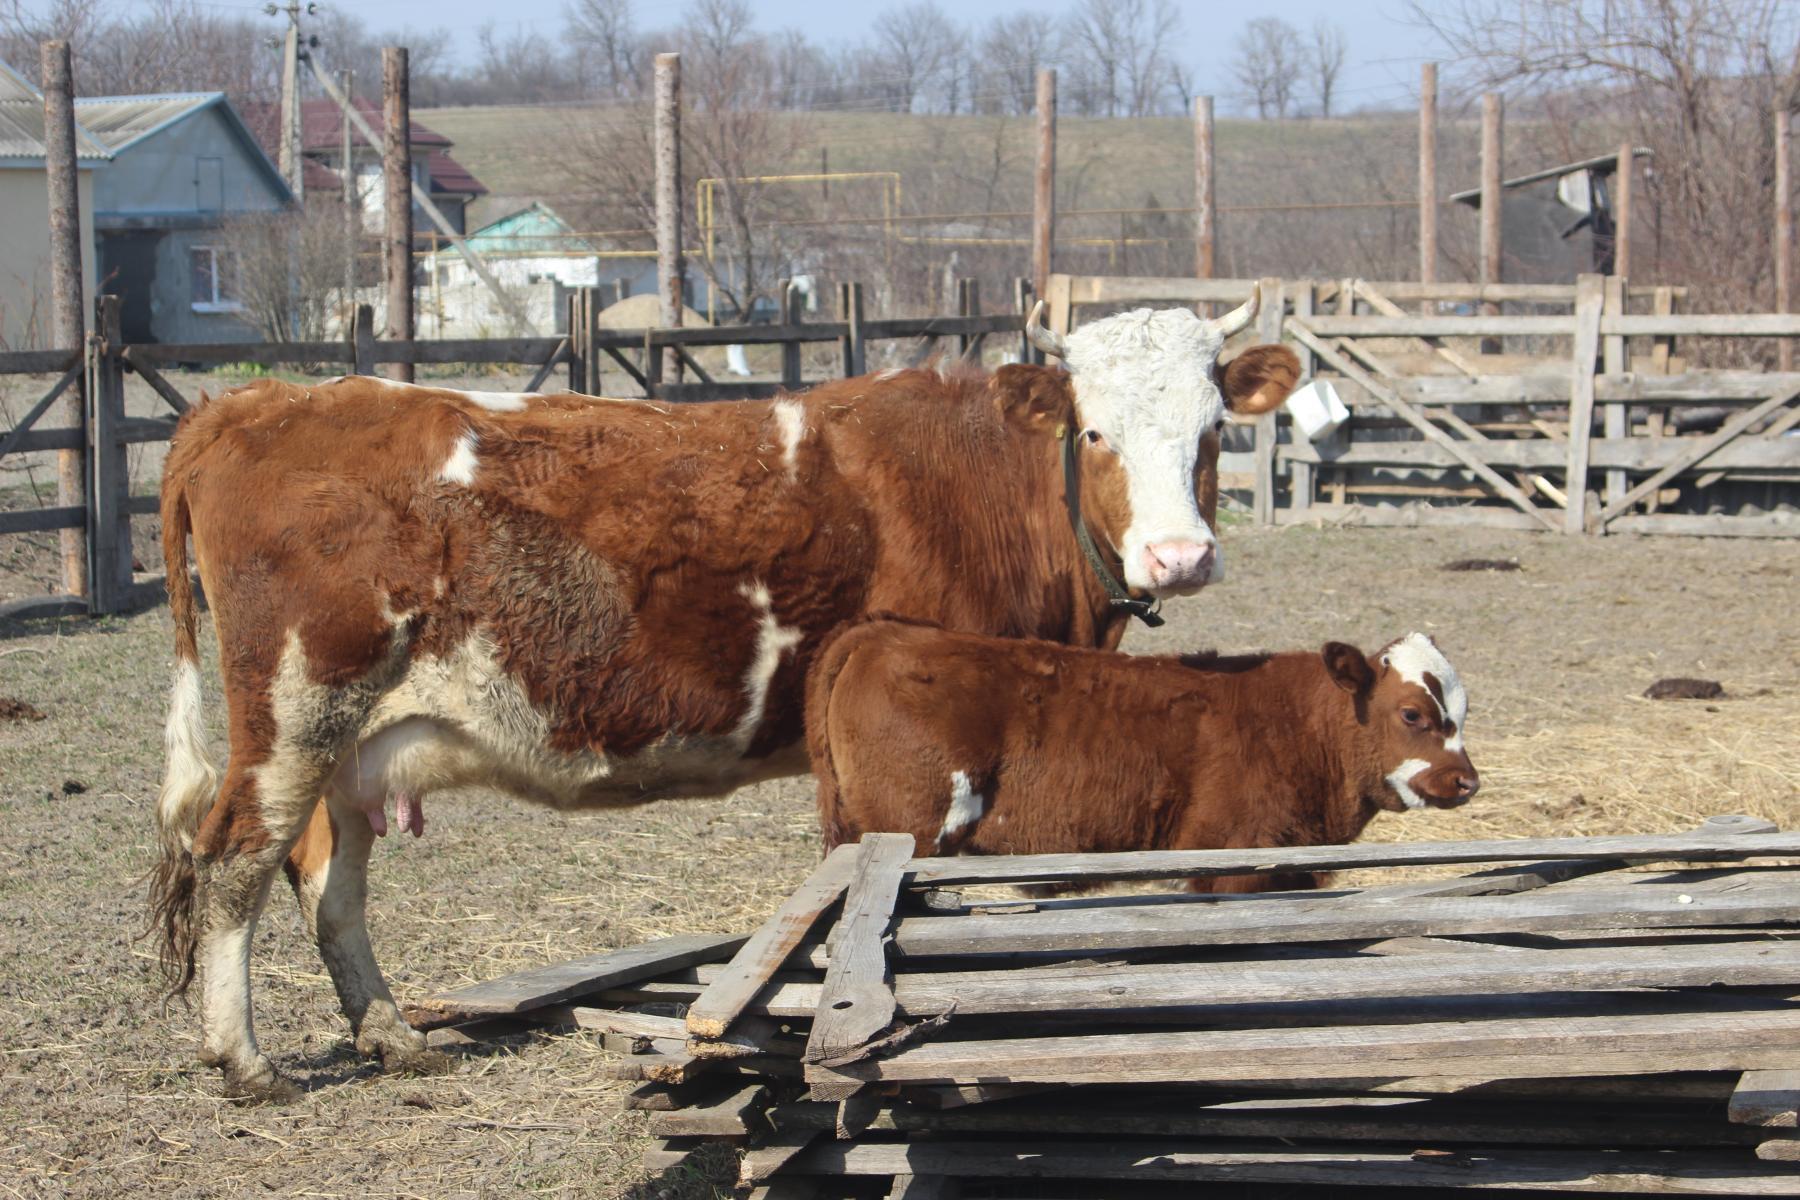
x=1259, y=379
x=1347, y=666
x=1034, y=399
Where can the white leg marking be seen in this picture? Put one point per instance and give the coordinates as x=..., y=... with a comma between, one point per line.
x=1400, y=779
x=772, y=641
x=966, y=806
x=790, y=419
x=190, y=781
x=460, y=466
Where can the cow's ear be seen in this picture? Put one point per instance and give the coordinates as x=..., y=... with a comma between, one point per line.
x=1347, y=666
x=1259, y=379
x=1035, y=399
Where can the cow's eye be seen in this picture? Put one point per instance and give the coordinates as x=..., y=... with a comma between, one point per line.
x=1093, y=437
x=1412, y=717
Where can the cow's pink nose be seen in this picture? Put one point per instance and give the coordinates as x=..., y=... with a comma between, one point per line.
x=1178, y=564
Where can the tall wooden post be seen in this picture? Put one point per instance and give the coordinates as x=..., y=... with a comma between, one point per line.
x=288, y=151
x=1205, y=209
x=1622, y=212
x=1043, y=213
x=668, y=201
x=1784, y=231
x=1491, y=154
x=352, y=224
x=1428, y=173
x=67, y=327
x=396, y=177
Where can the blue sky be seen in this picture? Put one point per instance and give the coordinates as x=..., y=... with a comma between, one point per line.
x=1383, y=67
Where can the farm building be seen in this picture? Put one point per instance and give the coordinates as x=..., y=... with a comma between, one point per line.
x=25, y=212
x=184, y=168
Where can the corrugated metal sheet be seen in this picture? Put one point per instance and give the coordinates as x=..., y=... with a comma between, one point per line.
x=22, y=122
x=118, y=121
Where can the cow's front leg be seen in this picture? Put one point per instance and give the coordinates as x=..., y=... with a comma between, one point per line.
x=329, y=869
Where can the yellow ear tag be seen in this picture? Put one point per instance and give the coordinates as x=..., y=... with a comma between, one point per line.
x=1061, y=429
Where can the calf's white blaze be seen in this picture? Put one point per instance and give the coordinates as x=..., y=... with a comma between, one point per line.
x=1144, y=379
x=966, y=807
x=1414, y=656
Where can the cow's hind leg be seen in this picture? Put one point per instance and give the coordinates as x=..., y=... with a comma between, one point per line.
x=329, y=869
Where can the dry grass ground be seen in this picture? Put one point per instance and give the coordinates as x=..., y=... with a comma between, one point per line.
x=99, y=1091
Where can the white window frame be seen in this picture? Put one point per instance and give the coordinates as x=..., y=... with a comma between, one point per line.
x=215, y=305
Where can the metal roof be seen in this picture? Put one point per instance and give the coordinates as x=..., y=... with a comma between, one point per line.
x=119, y=121
x=1605, y=163
x=22, y=123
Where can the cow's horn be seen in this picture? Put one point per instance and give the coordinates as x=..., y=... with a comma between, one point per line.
x=1240, y=317
x=1047, y=340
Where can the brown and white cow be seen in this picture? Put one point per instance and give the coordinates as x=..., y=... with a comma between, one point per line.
x=979, y=745
x=592, y=603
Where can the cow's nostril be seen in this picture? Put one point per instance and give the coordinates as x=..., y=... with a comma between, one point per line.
x=1467, y=785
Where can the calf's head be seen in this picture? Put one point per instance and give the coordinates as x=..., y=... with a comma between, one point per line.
x=1145, y=389
x=1411, y=705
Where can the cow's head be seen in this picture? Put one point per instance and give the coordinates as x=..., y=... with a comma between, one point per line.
x=1147, y=388
x=1412, y=706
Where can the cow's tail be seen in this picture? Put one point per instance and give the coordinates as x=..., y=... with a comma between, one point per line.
x=819, y=681
x=190, y=780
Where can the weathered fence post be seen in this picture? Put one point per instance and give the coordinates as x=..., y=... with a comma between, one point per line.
x=67, y=329
x=1043, y=209
x=581, y=346
x=396, y=176
x=1590, y=301
x=362, y=339
x=1622, y=213
x=793, y=311
x=1205, y=232
x=1023, y=299
x=1300, y=474
x=109, y=485
x=1268, y=329
x=1614, y=416
x=1492, y=114
x=853, y=347
x=1428, y=176
x=668, y=198
x=653, y=365
x=968, y=304
x=1784, y=233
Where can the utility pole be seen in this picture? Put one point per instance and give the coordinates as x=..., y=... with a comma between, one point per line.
x=396, y=174
x=668, y=201
x=289, y=149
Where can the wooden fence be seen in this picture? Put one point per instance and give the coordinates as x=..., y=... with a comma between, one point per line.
x=1474, y=437
x=585, y=354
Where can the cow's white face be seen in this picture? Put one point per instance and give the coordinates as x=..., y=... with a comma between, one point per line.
x=1417, y=711
x=1146, y=390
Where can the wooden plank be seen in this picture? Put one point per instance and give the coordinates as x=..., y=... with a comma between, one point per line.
x=1329, y=325
x=1680, y=1173
x=1774, y=429
x=729, y=1116
x=1505, y=487
x=856, y=1001
x=1201, y=924
x=762, y=954
x=923, y=1187
x=1530, y=1047
x=1769, y=1099
x=1613, y=356
x=1776, y=524
x=1696, y=452
x=1168, y=1114
x=1705, y=325
x=39, y=362
x=557, y=357
x=15, y=436
x=266, y=354
x=1176, y=864
x=1631, y=453
x=1268, y=327
x=761, y=1163
x=43, y=520
x=554, y=983
x=150, y=375
x=1589, y=299
x=531, y=350
x=1300, y=473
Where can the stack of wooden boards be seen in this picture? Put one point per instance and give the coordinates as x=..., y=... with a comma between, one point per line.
x=1606, y=1015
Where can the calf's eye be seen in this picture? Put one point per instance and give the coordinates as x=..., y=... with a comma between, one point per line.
x=1411, y=716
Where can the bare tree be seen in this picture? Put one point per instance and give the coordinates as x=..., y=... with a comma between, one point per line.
x=1694, y=80
x=1118, y=55
x=1268, y=55
x=1328, y=49
x=915, y=44
x=604, y=42
x=256, y=270
x=1014, y=49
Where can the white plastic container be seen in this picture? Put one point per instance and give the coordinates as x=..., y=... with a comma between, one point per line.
x=1316, y=410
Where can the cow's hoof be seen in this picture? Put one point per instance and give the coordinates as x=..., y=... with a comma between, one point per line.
x=401, y=1049
x=262, y=1084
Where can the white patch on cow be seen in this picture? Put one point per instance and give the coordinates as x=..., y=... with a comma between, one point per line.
x=224, y=964
x=966, y=807
x=1401, y=777
x=501, y=401
x=790, y=420
x=460, y=466
x=1414, y=656
x=1144, y=379
x=891, y=372
x=190, y=781
x=772, y=641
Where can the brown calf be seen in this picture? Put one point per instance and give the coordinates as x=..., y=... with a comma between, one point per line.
x=981, y=746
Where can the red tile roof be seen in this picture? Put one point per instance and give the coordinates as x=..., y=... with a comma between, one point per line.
x=321, y=131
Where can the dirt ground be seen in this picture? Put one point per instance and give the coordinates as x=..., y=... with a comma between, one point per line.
x=100, y=1093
